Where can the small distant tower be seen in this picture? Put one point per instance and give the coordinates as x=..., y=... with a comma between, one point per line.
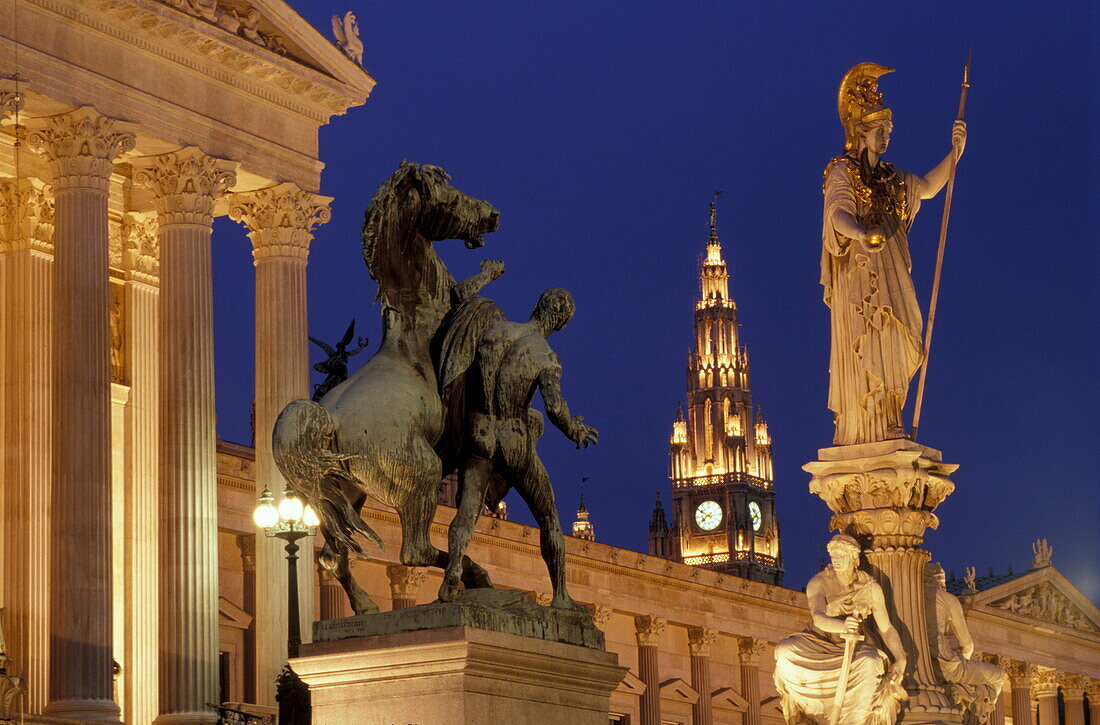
x=662, y=537
x=582, y=527
x=723, y=501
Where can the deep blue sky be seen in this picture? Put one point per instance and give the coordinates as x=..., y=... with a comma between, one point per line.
x=600, y=129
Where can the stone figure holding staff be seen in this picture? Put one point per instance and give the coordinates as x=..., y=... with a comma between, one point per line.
x=832, y=673
x=865, y=265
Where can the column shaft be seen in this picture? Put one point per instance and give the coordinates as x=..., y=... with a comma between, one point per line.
x=26, y=465
x=1073, y=694
x=750, y=648
x=1019, y=675
x=648, y=631
x=700, y=640
x=1045, y=684
x=185, y=184
x=280, y=220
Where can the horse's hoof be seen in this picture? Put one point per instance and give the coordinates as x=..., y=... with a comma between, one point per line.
x=365, y=606
x=448, y=592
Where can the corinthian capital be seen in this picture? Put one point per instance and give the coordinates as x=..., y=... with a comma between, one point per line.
x=1020, y=673
x=700, y=640
x=648, y=629
x=1045, y=681
x=1073, y=686
x=185, y=184
x=81, y=146
x=749, y=650
x=404, y=580
x=280, y=219
x=26, y=215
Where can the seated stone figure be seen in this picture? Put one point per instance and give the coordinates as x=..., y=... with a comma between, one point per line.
x=975, y=685
x=808, y=665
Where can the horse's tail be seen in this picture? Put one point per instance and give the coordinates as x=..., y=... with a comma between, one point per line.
x=303, y=443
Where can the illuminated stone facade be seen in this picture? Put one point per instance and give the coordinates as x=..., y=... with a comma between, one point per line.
x=720, y=452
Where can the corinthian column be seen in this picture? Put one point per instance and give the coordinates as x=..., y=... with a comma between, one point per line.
x=700, y=640
x=749, y=649
x=185, y=184
x=1092, y=689
x=80, y=149
x=404, y=581
x=26, y=254
x=648, y=631
x=280, y=222
x=1044, y=683
x=1019, y=676
x=1073, y=692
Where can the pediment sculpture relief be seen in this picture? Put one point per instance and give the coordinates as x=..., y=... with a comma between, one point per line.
x=1044, y=602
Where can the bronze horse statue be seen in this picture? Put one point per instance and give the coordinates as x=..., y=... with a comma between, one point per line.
x=374, y=434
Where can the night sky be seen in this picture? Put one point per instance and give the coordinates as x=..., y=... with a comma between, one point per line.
x=600, y=131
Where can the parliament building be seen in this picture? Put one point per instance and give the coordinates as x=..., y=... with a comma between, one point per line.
x=135, y=587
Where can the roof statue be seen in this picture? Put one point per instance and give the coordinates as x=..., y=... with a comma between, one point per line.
x=1041, y=551
x=346, y=31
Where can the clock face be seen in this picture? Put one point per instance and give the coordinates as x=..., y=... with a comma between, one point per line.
x=708, y=515
x=755, y=515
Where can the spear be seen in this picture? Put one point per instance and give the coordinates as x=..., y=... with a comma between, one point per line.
x=939, y=256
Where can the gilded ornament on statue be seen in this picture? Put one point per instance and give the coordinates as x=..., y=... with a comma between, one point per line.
x=859, y=101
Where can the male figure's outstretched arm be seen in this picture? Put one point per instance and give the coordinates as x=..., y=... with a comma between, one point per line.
x=557, y=409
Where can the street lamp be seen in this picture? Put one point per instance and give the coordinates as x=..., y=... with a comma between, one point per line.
x=289, y=521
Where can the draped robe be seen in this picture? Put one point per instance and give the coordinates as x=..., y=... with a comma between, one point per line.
x=876, y=322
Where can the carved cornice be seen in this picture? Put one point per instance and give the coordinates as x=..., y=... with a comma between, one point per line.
x=749, y=649
x=185, y=184
x=233, y=56
x=648, y=629
x=700, y=640
x=26, y=215
x=404, y=580
x=1019, y=672
x=80, y=147
x=1045, y=681
x=280, y=219
x=1043, y=601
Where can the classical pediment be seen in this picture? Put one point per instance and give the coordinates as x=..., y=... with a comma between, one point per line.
x=730, y=699
x=1046, y=596
x=678, y=690
x=631, y=684
x=230, y=615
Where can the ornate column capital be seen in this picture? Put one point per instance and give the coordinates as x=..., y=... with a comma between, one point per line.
x=140, y=246
x=1019, y=673
x=404, y=580
x=601, y=615
x=80, y=147
x=1045, y=681
x=1092, y=689
x=1073, y=686
x=26, y=215
x=700, y=640
x=749, y=650
x=280, y=219
x=648, y=629
x=185, y=184
x=247, y=545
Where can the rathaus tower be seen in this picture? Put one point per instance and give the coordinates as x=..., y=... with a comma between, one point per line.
x=723, y=500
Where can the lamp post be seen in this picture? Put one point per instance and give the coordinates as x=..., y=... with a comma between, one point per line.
x=289, y=521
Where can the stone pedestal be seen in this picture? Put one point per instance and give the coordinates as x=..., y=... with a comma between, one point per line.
x=884, y=494
x=491, y=657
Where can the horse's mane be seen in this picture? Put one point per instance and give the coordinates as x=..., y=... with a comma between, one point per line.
x=381, y=218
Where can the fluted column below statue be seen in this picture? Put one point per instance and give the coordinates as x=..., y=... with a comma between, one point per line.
x=280, y=222
x=648, y=631
x=700, y=640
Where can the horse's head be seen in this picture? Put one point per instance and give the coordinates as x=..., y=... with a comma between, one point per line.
x=447, y=213
x=414, y=208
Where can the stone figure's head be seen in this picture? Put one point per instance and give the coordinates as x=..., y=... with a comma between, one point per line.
x=554, y=309
x=874, y=136
x=934, y=575
x=843, y=552
x=859, y=104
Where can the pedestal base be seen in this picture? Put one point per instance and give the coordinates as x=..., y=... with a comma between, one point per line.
x=884, y=495
x=434, y=668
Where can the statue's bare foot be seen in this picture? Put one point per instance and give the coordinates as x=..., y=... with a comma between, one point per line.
x=564, y=601
x=364, y=605
x=448, y=590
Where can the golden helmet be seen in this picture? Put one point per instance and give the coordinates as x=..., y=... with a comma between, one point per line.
x=859, y=101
